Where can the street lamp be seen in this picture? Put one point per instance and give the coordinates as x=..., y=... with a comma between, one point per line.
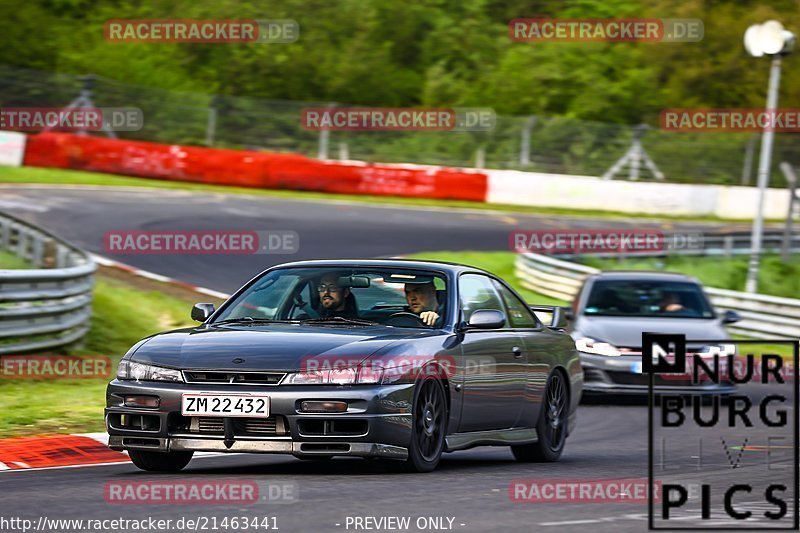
x=770, y=39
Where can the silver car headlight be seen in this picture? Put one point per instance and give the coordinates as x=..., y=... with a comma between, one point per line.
x=336, y=376
x=718, y=349
x=143, y=372
x=596, y=347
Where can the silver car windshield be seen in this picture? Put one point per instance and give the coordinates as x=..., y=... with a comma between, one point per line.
x=647, y=299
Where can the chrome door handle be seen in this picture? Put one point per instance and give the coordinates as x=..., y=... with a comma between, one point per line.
x=517, y=351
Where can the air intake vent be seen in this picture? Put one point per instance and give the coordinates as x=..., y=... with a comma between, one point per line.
x=234, y=378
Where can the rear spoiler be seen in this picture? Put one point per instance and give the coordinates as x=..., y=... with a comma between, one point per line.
x=558, y=315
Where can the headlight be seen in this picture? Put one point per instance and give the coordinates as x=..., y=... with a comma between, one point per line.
x=363, y=375
x=593, y=346
x=141, y=372
x=721, y=349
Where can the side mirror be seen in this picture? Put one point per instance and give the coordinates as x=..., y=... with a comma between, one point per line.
x=559, y=320
x=201, y=312
x=487, y=319
x=729, y=317
x=558, y=315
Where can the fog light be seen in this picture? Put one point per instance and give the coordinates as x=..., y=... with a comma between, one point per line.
x=142, y=401
x=323, y=407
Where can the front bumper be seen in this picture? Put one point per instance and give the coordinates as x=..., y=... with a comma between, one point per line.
x=622, y=375
x=377, y=422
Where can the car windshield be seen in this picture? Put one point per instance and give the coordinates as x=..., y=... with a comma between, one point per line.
x=338, y=295
x=647, y=299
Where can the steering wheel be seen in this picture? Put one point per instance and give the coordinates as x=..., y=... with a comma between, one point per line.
x=404, y=318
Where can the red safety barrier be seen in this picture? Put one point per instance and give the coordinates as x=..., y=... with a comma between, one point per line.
x=249, y=169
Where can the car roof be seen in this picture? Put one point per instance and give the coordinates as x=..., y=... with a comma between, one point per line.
x=643, y=275
x=452, y=268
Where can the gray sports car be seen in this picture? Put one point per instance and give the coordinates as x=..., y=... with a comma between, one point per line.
x=374, y=358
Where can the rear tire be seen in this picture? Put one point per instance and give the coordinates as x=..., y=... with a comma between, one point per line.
x=428, y=425
x=551, y=427
x=160, y=462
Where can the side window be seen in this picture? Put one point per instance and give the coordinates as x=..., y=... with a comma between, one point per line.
x=519, y=315
x=478, y=292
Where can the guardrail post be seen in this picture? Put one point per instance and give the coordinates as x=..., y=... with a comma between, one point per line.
x=727, y=246
x=5, y=234
x=38, y=251
x=22, y=242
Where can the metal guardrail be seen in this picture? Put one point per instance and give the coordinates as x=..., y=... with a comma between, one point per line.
x=49, y=305
x=763, y=317
x=724, y=245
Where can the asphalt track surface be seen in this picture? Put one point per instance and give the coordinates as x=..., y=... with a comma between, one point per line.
x=470, y=487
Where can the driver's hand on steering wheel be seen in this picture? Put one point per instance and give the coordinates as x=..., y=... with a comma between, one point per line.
x=429, y=318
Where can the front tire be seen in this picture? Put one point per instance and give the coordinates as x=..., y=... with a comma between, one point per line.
x=428, y=425
x=551, y=427
x=160, y=462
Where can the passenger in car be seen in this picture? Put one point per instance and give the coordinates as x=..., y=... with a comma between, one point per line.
x=335, y=301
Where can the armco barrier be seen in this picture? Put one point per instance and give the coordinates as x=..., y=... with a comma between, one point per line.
x=763, y=317
x=47, y=306
x=250, y=169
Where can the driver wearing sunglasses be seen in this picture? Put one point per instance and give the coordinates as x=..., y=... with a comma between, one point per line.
x=335, y=301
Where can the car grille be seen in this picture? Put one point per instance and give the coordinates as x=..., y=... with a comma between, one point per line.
x=643, y=380
x=273, y=426
x=233, y=378
x=257, y=426
x=210, y=425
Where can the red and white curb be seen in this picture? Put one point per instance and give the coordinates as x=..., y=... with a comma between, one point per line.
x=48, y=452
x=104, y=261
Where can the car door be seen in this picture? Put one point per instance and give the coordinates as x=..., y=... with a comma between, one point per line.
x=494, y=362
x=540, y=347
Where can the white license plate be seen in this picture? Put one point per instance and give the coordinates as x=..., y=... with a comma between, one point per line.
x=211, y=404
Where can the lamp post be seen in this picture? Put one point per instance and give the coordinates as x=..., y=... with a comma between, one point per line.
x=770, y=39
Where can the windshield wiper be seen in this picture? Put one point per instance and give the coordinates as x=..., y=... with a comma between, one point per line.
x=340, y=319
x=250, y=320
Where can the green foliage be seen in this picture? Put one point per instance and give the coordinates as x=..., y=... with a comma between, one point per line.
x=422, y=52
x=419, y=53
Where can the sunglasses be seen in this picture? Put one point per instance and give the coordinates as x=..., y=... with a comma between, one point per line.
x=332, y=288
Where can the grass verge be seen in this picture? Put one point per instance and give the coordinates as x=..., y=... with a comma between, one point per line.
x=49, y=176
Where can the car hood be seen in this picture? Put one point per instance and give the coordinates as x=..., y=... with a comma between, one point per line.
x=271, y=347
x=627, y=331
